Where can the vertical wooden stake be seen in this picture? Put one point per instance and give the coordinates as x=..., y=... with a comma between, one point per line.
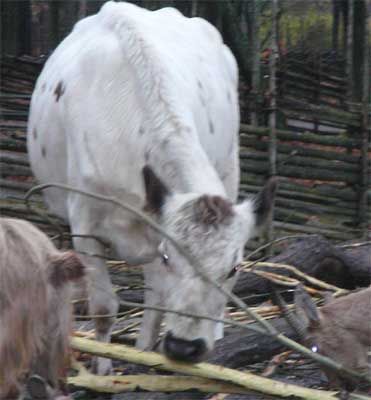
x=349, y=52
x=255, y=83
x=273, y=104
x=365, y=169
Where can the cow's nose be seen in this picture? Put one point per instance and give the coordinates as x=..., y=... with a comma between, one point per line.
x=184, y=350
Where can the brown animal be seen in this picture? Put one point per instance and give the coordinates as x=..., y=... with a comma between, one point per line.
x=35, y=315
x=340, y=330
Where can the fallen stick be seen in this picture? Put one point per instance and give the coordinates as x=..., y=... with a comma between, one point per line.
x=152, y=383
x=251, y=267
x=204, y=370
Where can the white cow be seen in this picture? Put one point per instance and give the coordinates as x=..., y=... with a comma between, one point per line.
x=143, y=106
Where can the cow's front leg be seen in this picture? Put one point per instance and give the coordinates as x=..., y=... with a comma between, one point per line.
x=151, y=321
x=102, y=299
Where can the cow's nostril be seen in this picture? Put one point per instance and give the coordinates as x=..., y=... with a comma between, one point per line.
x=184, y=350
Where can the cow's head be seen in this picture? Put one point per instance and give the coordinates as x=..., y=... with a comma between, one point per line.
x=214, y=231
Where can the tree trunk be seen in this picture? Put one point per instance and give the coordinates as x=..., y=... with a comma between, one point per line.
x=349, y=59
x=54, y=7
x=335, y=25
x=255, y=53
x=83, y=9
x=16, y=27
x=359, y=46
x=315, y=256
x=241, y=348
x=365, y=168
x=24, y=27
x=273, y=107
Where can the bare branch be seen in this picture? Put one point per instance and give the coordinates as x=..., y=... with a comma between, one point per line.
x=269, y=329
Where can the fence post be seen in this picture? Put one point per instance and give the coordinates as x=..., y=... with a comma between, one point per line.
x=255, y=79
x=365, y=138
x=349, y=52
x=273, y=104
x=273, y=92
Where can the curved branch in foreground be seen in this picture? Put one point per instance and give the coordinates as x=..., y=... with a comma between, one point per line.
x=269, y=329
x=152, y=383
x=246, y=380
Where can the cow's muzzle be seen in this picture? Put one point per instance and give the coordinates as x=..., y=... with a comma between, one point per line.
x=184, y=350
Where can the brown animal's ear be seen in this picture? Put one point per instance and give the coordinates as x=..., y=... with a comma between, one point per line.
x=156, y=190
x=264, y=202
x=306, y=308
x=328, y=297
x=212, y=210
x=65, y=267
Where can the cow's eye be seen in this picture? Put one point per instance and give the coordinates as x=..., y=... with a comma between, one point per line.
x=233, y=271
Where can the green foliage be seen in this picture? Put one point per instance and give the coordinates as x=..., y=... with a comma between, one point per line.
x=311, y=29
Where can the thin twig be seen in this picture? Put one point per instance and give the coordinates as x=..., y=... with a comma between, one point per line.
x=314, y=281
x=182, y=313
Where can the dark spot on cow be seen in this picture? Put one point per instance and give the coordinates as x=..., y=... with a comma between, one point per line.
x=43, y=87
x=34, y=132
x=211, y=127
x=146, y=156
x=199, y=84
x=43, y=151
x=59, y=91
x=141, y=130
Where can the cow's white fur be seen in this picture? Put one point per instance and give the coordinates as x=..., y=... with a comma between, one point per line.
x=139, y=87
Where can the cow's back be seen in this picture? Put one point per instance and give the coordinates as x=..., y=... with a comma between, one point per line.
x=124, y=83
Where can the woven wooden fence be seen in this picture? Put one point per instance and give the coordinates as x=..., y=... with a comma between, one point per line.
x=318, y=149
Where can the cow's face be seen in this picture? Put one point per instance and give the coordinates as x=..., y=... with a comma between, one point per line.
x=214, y=232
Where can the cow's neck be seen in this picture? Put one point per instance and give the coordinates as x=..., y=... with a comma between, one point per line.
x=186, y=168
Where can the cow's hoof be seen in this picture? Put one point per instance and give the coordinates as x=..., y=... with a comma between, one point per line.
x=102, y=366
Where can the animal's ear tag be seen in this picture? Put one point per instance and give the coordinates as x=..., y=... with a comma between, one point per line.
x=212, y=210
x=156, y=190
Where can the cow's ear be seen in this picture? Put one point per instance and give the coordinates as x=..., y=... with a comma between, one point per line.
x=306, y=309
x=156, y=191
x=264, y=202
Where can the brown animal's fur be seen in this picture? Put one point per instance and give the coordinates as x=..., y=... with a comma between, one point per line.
x=340, y=330
x=34, y=308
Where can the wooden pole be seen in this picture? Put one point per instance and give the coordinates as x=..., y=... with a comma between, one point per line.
x=83, y=9
x=349, y=59
x=255, y=83
x=335, y=25
x=273, y=105
x=272, y=90
x=365, y=169
x=194, y=8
